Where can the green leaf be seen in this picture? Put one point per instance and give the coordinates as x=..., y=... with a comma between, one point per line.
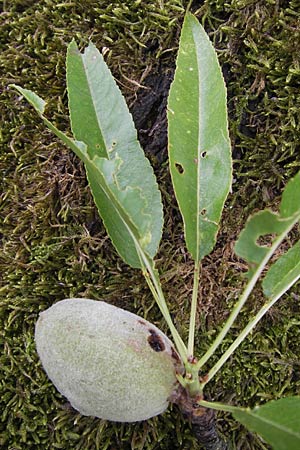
x=101, y=173
x=39, y=105
x=101, y=119
x=260, y=224
x=120, y=176
x=283, y=273
x=278, y=422
x=89, y=82
x=112, y=204
x=275, y=225
x=37, y=102
x=199, y=146
x=290, y=198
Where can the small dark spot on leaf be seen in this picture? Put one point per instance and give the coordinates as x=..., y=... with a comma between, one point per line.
x=155, y=341
x=203, y=154
x=266, y=240
x=203, y=212
x=179, y=168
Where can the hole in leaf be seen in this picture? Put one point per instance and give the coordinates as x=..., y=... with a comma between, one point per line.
x=203, y=212
x=179, y=168
x=113, y=144
x=203, y=154
x=266, y=240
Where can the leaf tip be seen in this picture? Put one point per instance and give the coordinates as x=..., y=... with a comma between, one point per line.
x=73, y=47
x=37, y=102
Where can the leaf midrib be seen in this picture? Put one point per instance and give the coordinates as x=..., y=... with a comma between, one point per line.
x=274, y=424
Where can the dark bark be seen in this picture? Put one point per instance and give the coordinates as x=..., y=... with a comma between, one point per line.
x=204, y=428
x=202, y=420
x=150, y=113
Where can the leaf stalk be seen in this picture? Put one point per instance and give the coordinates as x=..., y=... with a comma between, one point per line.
x=236, y=310
x=252, y=323
x=153, y=281
x=192, y=324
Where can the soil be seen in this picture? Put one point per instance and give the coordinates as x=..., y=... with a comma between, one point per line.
x=150, y=112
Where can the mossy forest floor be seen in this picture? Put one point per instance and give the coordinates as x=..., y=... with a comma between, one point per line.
x=53, y=245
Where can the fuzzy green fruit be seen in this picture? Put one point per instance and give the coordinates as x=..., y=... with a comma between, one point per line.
x=108, y=362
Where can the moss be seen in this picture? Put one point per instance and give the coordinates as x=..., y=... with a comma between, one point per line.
x=54, y=246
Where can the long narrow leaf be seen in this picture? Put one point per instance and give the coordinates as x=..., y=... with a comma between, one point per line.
x=101, y=119
x=113, y=204
x=199, y=146
x=278, y=422
x=101, y=173
x=120, y=176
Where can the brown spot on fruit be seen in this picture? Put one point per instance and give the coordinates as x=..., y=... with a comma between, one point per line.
x=142, y=322
x=155, y=341
x=175, y=355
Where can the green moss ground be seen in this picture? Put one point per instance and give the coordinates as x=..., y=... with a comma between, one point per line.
x=53, y=245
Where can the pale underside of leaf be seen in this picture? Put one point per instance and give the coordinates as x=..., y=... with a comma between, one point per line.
x=100, y=118
x=120, y=176
x=101, y=172
x=199, y=146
